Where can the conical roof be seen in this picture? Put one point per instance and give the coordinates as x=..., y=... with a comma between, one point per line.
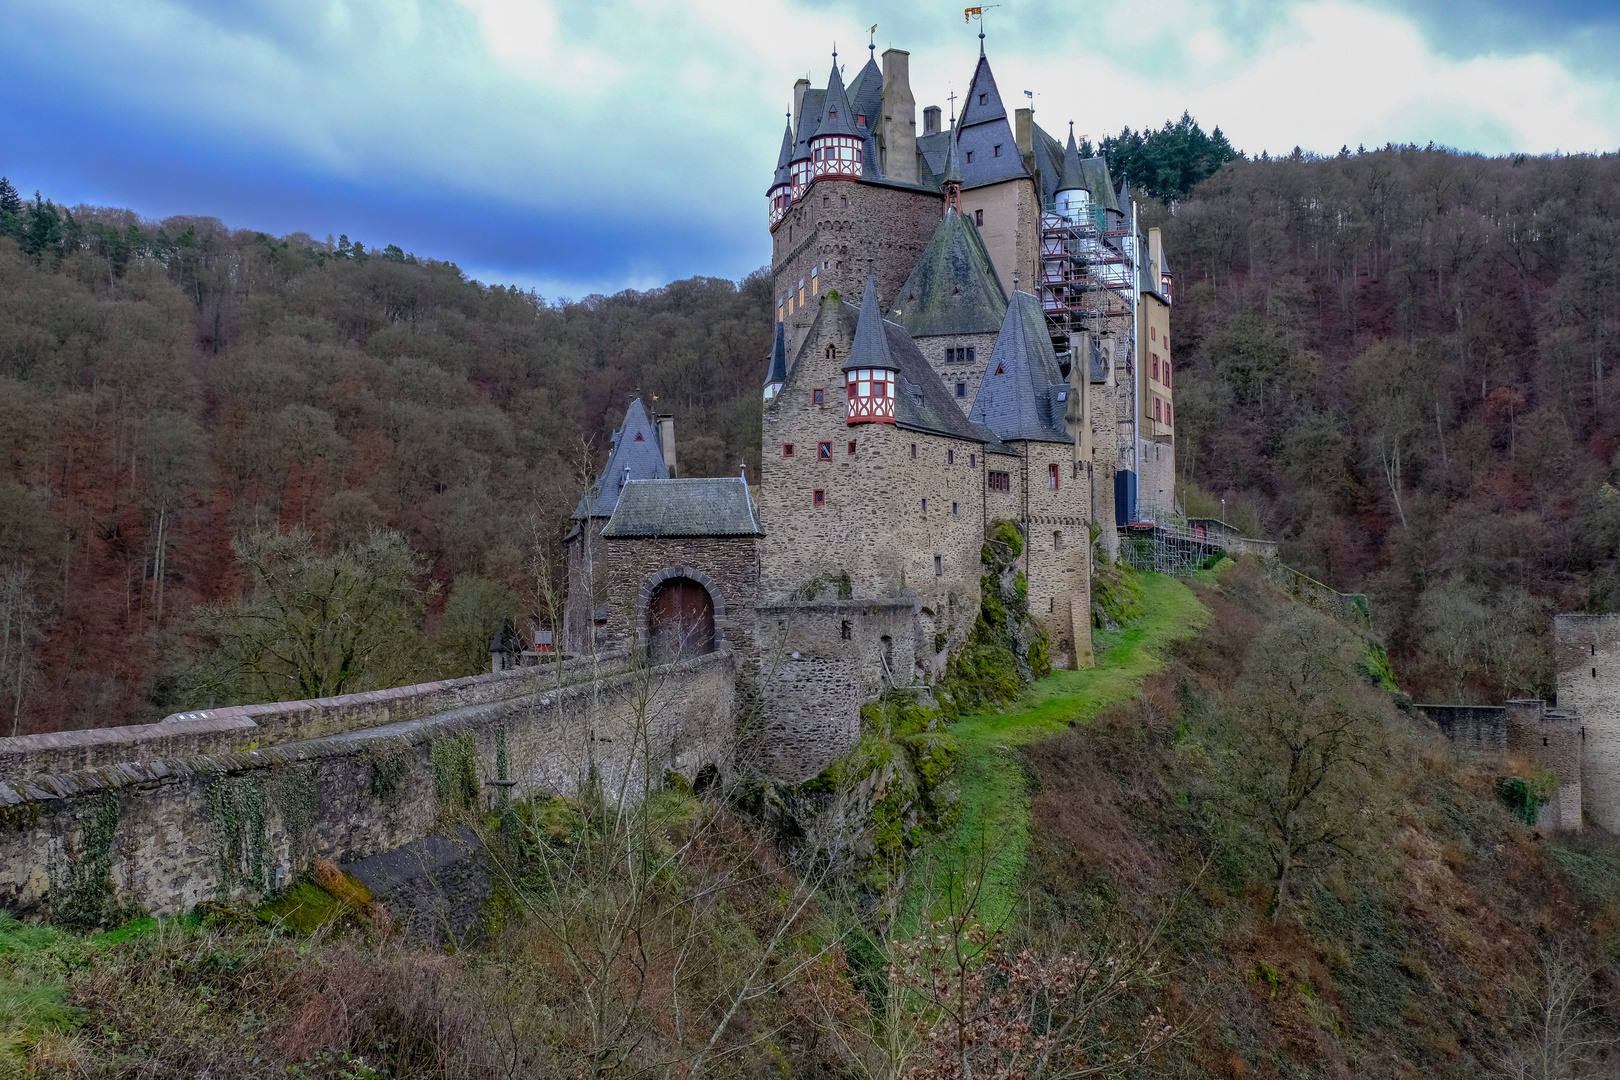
x=635, y=455
x=953, y=170
x=784, y=159
x=836, y=116
x=1022, y=394
x=953, y=289
x=870, y=349
x=982, y=86
x=809, y=117
x=1071, y=178
x=866, y=93
x=777, y=371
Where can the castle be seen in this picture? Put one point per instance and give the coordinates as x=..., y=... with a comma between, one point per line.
x=970, y=328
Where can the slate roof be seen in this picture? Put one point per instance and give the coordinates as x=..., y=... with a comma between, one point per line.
x=783, y=174
x=870, y=349
x=1094, y=174
x=1070, y=178
x=702, y=506
x=837, y=118
x=634, y=455
x=810, y=108
x=932, y=148
x=953, y=289
x=866, y=92
x=1019, y=398
x=982, y=128
x=776, y=371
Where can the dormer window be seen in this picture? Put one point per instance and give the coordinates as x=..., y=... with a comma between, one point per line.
x=970, y=157
x=981, y=98
x=998, y=150
x=832, y=114
x=861, y=119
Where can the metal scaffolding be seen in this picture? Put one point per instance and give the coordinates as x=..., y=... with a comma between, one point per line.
x=1087, y=274
x=1171, y=547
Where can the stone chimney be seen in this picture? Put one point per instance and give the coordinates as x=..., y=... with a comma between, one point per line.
x=931, y=120
x=1024, y=131
x=899, y=118
x=798, y=102
x=666, y=442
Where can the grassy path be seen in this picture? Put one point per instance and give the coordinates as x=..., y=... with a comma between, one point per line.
x=993, y=831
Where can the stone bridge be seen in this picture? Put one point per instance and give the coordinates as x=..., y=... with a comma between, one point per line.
x=231, y=804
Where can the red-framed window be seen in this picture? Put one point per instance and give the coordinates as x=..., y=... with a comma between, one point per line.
x=1052, y=477
x=1000, y=481
x=852, y=446
x=1158, y=409
x=787, y=449
x=1167, y=373
x=818, y=396
x=819, y=498
x=978, y=215
x=824, y=451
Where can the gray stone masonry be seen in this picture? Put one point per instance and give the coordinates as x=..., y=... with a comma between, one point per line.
x=819, y=661
x=873, y=524
x=954, y=372
x=1552, y=739
x=728, y=566
x=1057, y=547
x=249, y=727
x=834, y=229
x=1588, y=657
x=352, y=794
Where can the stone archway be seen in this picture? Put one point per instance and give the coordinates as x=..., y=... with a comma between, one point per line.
x=679, y=613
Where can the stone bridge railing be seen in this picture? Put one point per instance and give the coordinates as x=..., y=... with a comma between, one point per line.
x=233, y=804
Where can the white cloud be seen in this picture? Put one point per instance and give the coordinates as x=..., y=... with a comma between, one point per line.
x=659, y=111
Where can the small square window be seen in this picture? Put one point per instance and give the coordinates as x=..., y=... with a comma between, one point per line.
x=826, y=202
x=820, y=498
x=978, y=217
x=852, y=446
x=970, y=157
x=824, y=451
x=998, y=150
x=971, y=350
x=818, y=396
x=939, y=566
x=843, y=200
x=981, y=99
x=787, y=449
x=961, y=389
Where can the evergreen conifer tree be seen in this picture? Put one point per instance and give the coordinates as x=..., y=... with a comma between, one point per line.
x=11, y=206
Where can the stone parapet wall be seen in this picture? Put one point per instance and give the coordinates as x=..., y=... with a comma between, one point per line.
x=1480, y=729
x=241, y=727
x=169, y=832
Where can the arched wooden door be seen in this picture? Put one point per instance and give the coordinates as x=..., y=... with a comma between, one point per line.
x=680, y=621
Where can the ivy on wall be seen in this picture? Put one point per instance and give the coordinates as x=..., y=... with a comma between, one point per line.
x=236, y=812
x=455, y=773
x=86, y=898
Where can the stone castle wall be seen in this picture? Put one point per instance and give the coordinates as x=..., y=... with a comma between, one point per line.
x=933, y=348
x=874, y=525
x=1057, y=534
x=1552, y=739
x=819, y=661
x=1588, y=659
x=169, y=832
x=834, y=229
x=586, y=590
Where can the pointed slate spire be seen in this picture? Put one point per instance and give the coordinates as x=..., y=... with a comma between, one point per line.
x=635, y=456
x=1072, y=178
x=870, y=348
x=983, y=85
x=776, y=374
x=836, y=116
x=953, y=169
x=784, y=174
x=1017, y=399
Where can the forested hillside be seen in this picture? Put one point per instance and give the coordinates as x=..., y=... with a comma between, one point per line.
x=1402, y=364
x=167, y=388
x=1399, y=362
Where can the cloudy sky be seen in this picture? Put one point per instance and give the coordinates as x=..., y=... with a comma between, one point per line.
x=591, y=147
